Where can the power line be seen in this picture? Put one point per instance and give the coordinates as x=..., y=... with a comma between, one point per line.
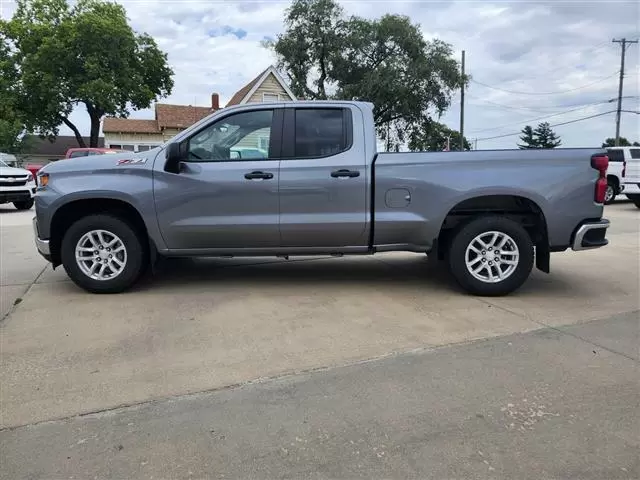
x=563, y=67
x=547, y=93
x=554, y=125
x=624, y=42
x=543, y=117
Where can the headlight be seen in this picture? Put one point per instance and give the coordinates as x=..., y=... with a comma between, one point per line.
x=30, y=178
x=43, y=179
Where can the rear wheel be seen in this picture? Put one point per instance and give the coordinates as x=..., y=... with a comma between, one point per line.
x=491, y=256
x=103, y=254
x=24, y=205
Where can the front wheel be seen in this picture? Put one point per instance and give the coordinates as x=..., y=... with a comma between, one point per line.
x=610, y=193
x=103, y=254
x=24, y=205
x=491, y=256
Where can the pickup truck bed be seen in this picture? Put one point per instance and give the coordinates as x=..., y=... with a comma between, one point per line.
x=321, y=189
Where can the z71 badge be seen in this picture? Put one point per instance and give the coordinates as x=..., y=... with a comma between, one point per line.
x=132, y=161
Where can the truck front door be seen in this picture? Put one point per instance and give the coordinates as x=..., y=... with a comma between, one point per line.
x=324, y=193
x=226, y=193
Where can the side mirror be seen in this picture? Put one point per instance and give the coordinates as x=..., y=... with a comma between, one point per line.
x=173, y=158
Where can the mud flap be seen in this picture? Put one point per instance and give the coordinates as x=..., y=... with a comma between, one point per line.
x=543, y=258
x=153, y=257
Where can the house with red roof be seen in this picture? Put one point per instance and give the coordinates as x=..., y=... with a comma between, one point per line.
x=141, y=135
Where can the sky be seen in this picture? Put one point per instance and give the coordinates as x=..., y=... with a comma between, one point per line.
x=529, y=61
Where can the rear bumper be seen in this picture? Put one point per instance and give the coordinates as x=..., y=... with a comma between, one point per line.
x=591, y=235
x=41, y=245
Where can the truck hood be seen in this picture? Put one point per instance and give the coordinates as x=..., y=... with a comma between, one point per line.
x=108, y=161
x=18, y=172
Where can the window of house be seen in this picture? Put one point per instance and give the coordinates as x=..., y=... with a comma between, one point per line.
x=235, y=137
x=116, y=147
x=263, y=143
x=270, y=97
x=130, y=148
x=144, y=148
x=320, y=132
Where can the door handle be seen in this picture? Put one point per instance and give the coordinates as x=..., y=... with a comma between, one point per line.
x=344, y=173
x=258, y=176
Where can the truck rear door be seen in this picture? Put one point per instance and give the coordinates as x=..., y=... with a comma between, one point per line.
x=323, y=178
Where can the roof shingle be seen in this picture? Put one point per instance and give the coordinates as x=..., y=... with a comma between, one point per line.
x=179, y=116
x=128, y=125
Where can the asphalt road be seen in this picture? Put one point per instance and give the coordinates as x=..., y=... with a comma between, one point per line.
x=271, y=368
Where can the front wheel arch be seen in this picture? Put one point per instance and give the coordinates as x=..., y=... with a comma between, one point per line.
x=70, y=212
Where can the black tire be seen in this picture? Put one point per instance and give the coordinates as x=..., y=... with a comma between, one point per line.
x=635, y=198
x=612, y=191
x=24, y=205
x=464, y=237
x=136, y=262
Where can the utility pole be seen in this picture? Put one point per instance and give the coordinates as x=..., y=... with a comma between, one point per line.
x=462, y=107
x=623, y=42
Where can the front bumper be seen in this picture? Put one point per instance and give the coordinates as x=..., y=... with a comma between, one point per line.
x=591, y=235
x=8, y=196
x=41, y=245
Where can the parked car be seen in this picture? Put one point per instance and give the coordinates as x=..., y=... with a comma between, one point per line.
x=322, y=190
x=17, y=186
x=616, y=183
x=631, y=174
x=89, y=151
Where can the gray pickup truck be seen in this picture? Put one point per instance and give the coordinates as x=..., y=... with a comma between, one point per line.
x=304, y=178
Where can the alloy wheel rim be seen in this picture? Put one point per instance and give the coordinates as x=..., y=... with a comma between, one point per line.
x=608, y=196
x=492, y=257
x=101, y=255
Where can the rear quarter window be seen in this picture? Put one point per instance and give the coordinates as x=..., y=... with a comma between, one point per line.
x=615, y=155
x=635, y=152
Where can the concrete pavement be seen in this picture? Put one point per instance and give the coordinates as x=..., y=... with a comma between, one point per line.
x=554, y=403
x=208, y=325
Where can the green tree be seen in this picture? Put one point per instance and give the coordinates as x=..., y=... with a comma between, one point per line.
x=82, y=54
x=433, y=138
x=528, y=139
x=611, y=142
x=385, y=61
x=540, y=137
x=11, y=124
x=546, y=137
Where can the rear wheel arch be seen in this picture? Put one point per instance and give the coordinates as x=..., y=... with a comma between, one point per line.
x=523, y=210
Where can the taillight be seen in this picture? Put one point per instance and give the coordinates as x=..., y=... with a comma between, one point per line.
x=600, y=163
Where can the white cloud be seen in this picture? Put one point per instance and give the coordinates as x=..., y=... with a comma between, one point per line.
x=532, y=47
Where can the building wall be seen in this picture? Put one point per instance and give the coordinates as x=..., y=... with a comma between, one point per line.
x=272, y=86
x=124, y=140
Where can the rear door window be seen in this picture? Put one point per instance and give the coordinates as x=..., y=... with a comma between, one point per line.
x=321, y=132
